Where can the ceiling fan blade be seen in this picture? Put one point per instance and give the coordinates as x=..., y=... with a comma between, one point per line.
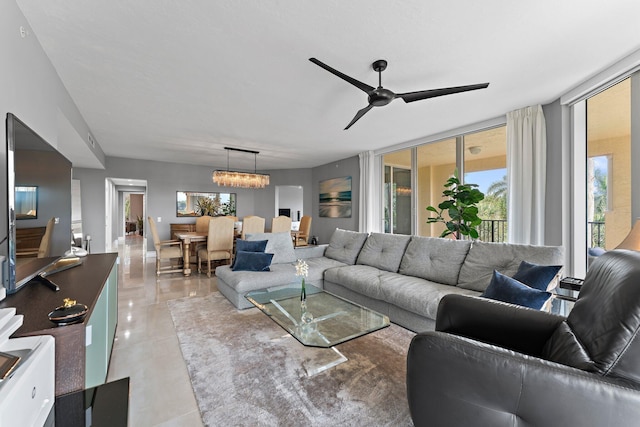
x=362, y=86
x=359, y=114
x=425, y=94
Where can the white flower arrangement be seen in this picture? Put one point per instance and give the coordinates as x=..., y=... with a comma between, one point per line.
x=302, y=269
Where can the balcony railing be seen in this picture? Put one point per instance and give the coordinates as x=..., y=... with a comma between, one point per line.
x=493, y=230
x=596, y=234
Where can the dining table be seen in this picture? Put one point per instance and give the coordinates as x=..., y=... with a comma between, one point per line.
x=187, y=238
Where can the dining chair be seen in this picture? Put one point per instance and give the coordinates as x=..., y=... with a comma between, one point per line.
x=202, y=224
x=219, y=243
x=166, y=250
x=44, y=250
x=302, y=236
x=252, y=224
x=281, y=224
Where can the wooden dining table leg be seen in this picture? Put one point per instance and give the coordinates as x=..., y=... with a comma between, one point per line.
x=186, y=261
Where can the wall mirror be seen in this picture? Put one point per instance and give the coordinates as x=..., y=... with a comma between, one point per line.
x=26, y=202
x=191, y=203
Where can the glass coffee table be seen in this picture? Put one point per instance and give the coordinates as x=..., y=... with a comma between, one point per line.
x=329, y=320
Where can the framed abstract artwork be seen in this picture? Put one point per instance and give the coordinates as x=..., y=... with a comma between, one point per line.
x=335, y=197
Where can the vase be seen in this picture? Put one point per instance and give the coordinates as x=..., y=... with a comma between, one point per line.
x=305, y=316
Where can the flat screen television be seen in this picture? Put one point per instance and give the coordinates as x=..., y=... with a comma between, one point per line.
x=33, y=163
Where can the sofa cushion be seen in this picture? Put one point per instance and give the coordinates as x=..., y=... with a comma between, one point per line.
x=383, y=251
x=507, y=289
x=484, y=257
x=416, y=295
x=252, y=261
x=362, y=279
x=540, y=277
x=278, y=244
x=345, y=245
x=435, y=259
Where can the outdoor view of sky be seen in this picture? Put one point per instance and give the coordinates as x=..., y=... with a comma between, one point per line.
x=484, y=179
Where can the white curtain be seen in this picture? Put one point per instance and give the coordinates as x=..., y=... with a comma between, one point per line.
x=368, y=206
x=527, y=167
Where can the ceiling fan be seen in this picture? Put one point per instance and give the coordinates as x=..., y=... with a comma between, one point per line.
x=380, y=96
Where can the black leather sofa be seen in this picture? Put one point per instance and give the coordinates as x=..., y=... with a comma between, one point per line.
x=495, y=364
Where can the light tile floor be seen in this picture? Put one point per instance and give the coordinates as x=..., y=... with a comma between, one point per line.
x=146, y=347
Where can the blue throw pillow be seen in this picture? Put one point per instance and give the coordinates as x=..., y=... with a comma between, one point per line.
x=252, y=261
x=249, y=246
x=506, y=289
x=536, y=276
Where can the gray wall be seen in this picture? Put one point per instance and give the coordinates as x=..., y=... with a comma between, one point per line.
x=163, y=180
x=323, y=228
x=553, y=201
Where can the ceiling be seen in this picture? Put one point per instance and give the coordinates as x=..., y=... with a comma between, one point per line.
x=179, y=81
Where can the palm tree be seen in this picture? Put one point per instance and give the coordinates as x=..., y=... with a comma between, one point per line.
x=498, y=188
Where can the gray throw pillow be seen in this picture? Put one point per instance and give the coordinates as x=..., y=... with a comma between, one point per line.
x=345, y=246
x=278, y=244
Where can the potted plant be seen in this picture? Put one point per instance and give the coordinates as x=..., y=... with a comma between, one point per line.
x=140, y=223
x=461, y=207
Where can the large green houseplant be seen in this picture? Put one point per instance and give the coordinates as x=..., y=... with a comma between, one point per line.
x=461, y=207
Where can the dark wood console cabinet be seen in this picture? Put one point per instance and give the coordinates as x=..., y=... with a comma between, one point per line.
x=83, y=349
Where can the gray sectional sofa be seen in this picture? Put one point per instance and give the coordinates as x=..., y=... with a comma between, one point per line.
x=401, y=276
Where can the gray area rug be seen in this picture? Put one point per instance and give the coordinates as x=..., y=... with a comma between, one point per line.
x=247, y=371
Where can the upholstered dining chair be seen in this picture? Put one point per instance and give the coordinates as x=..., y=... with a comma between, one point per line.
x=281, y=224
x=252, y=224
x=44, y=250
x=301, y=238
x=202, y=224
x=219, y=243
x=166, y=250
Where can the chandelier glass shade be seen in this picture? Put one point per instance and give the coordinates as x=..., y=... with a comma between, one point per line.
x=236, y=179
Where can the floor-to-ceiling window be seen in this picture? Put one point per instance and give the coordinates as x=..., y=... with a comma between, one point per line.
x=397, y=192
x=608, y=168
x=414, y=178
x=485, y=164
x=604, y=138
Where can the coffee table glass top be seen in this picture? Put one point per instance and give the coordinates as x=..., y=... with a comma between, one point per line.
x=333, y=320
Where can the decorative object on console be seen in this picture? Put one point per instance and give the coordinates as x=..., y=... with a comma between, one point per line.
x=230, y=178
x=68, y=313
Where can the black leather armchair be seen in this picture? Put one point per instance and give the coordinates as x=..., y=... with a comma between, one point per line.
x=494, y=364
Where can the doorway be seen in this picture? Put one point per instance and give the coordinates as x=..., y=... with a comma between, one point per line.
x=289, y=201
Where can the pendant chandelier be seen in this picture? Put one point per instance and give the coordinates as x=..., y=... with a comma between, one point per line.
x=231, y=178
